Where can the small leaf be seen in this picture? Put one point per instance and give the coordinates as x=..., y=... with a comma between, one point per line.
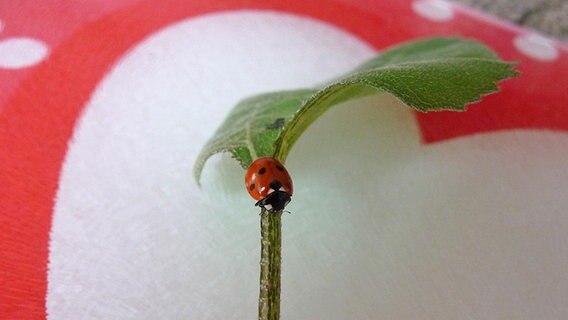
x=427, y=75
x=430, y=49
x=250, y=129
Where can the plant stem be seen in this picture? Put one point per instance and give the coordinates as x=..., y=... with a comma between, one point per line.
x=270, y=264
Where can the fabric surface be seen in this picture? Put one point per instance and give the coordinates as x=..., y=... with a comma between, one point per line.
x=104, y=106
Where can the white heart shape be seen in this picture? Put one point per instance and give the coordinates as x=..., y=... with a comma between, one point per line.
x=435, y=10
x=16, y=53
x=382, y=226
x=163, y=101
x=536, y=47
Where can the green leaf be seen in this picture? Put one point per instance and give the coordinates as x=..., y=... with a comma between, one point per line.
x=430, y=49
x=427, y=75
x=250, y=129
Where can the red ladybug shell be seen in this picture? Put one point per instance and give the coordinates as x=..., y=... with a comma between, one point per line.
x=268, y=181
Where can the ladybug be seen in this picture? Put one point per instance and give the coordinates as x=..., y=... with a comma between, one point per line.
x=268, y=182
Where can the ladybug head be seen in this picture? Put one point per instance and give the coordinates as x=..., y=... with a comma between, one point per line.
x=275, y=201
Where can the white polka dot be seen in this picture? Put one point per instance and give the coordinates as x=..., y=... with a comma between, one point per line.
x=536, y=46
x=18, y=53
x=436, y=10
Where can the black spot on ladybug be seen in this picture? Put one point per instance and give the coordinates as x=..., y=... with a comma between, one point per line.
x=277, y=124
x=275, y=185
x=251, y=186
x=280, y=168
x=262, y=170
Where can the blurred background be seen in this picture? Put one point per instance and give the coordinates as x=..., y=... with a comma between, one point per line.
x=550, y=17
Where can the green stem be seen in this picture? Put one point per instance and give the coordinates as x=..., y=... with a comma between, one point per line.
x=270, y=263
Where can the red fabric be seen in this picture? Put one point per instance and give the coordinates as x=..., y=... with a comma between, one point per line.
x=39, y=105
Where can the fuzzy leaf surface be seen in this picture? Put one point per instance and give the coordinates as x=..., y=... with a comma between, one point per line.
x=427, y=75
